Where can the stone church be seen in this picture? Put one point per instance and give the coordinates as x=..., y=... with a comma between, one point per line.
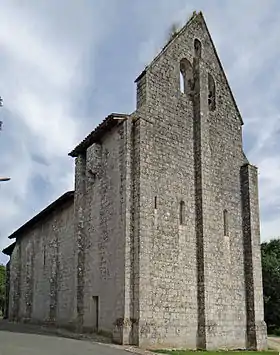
x=159, y=243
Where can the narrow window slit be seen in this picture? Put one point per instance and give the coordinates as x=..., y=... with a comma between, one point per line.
x=197, y=48
x=44, y=255
x=225, y=223
x=155, y=203
x=182, y=212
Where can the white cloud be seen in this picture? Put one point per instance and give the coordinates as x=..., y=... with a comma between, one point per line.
x=43, y=67
x=248, y=33
x=264, y=152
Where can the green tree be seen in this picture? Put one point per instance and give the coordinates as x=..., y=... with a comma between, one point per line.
x=271, y=283
x=2, y=288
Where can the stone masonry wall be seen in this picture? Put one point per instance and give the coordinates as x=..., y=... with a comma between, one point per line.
x=189, y=153
x=7, y=291
x=104, y=237
x=225, y=304
x=15, y=276
x=256, y=327
x=41, y=271
x=168, y=269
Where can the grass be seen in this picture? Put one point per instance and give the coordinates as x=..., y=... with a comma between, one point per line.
x=189, y=352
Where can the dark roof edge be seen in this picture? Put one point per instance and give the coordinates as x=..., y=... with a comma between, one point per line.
x=249, y=165
x=141, y=75
x=9, y=249
x=108, y=123
x=45, y=212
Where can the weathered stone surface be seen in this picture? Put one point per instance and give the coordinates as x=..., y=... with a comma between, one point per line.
x=192, y=288
x=161, y=247
x=41, y=271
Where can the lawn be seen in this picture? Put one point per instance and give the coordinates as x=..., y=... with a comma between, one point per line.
x=189, y=352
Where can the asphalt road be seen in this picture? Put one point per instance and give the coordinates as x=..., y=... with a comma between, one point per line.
x=12, y=343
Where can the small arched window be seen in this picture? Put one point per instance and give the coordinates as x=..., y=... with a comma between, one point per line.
x=182, y=212
x=197, y=48
x=225, y=223
x=211, y=93
x=186, y=76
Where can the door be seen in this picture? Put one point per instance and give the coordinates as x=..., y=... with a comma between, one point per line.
x=95, y=312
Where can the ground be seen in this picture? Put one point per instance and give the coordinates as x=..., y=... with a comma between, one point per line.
x=22, y=339
x=33, y=344
x=25, y=339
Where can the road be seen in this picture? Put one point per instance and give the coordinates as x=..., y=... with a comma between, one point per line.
x=13, y=342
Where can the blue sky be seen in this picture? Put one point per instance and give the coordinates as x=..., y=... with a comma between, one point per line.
x=65, y=65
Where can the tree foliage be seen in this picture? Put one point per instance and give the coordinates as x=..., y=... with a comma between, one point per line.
x=271, y=283
x=2, y=287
